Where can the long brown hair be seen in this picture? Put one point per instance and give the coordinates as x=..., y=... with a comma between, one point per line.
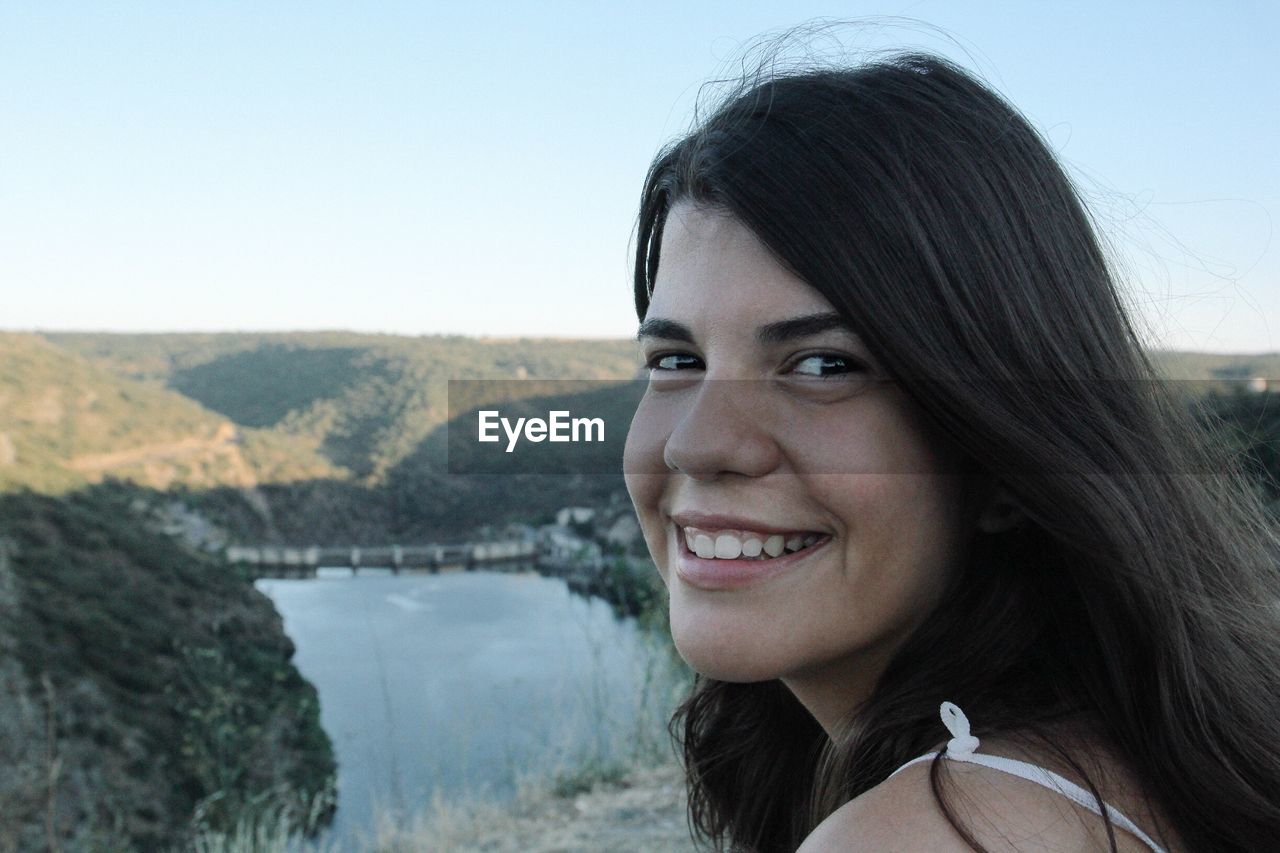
x=1142, y=589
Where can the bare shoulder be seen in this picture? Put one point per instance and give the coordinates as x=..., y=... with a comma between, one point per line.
x=1001, y=811
x=898, y=814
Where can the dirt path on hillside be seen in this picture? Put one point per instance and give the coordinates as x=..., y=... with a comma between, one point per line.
x=224, y=443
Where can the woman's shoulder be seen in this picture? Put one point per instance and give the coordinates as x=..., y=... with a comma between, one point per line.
x=1001, y=811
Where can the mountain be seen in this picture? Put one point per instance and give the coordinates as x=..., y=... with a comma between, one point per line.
x=365, y=402
x=65, y=422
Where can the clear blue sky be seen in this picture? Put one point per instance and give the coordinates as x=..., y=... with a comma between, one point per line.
x=474, y=168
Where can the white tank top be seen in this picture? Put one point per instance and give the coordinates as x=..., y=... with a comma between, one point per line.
x=961, y=748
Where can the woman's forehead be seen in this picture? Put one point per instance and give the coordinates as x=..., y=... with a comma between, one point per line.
x=712, y=266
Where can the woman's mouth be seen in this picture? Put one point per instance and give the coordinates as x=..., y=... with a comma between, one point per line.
x=727, y=559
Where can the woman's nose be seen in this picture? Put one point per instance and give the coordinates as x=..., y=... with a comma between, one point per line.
x=725, y=427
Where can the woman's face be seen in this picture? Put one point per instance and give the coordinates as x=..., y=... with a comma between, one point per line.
x=759, y=433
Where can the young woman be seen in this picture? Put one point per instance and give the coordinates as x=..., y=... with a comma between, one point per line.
x=916, y=493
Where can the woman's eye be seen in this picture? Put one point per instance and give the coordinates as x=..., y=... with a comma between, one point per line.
x=826, y=364
x=672, y=361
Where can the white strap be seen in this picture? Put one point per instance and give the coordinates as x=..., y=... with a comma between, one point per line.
x=961, y=748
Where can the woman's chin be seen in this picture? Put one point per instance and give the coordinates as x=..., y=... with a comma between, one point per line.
x=723, y=671
x=722, y=658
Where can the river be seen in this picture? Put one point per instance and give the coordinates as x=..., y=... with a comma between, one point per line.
x=460, y=682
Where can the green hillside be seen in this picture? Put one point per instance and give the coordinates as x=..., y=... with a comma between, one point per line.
x=65, y=422
x=330, y=437
x=165, y=681
x=366, y=402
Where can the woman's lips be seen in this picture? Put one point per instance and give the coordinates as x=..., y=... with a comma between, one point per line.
x=731, y=574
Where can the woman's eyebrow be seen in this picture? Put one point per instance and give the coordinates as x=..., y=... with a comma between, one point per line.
x=770, y=333
x=657, y=327
x=802, y=327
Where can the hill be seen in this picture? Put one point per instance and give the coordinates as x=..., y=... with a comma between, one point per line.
x=361, y=419
x=65, y=422
x=365, y=402
x=139, y=683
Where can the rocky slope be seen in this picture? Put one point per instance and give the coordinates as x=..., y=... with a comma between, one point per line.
x=141, y=684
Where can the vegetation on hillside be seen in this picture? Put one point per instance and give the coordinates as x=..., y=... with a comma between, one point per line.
x=65, y=423
x=334, y=438
x=366, y=402
x=141, y=684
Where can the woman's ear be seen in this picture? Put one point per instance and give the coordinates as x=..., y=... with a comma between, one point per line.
x=1000, y=513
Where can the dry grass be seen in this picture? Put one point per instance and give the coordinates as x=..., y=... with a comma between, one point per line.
x=641, y=810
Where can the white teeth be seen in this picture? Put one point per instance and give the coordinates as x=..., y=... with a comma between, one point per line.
x=727, y=547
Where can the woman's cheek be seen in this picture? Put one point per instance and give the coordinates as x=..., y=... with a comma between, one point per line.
x=645, y=475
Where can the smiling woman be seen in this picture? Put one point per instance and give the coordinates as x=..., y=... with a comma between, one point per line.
x=844, y=564
x=901, y=447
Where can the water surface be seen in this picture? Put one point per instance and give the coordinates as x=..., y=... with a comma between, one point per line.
x=459, y=682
